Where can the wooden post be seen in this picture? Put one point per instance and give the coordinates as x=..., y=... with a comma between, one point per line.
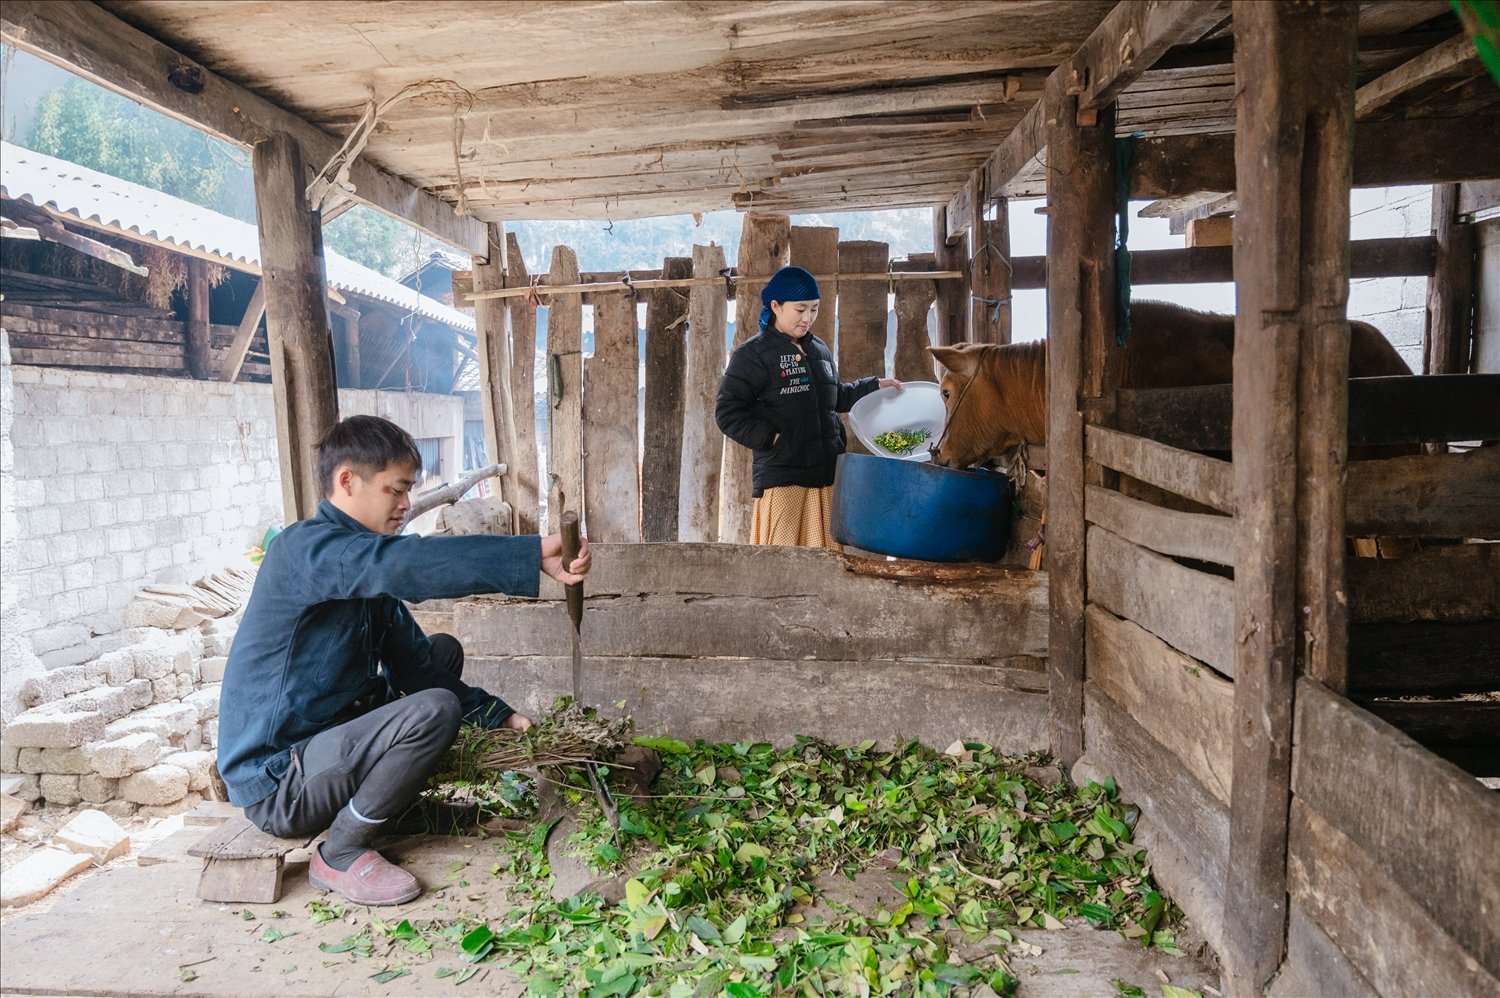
x=952, y=296
x=666, y=360
x=564, y=392
x=992, y=278
x=525, y=498
x=611, y=423
x=351, y=349
x=1080, y=321
x=764, y=242
x=1293, y=150
x=702, y=443
x=200, y=355
x=492, y=321
x=913, y=304
x=1450, y=292
x=862, y=310
x=302, y=372
x=815, y=248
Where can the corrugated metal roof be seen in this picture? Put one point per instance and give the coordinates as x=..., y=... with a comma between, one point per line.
x=114, y=205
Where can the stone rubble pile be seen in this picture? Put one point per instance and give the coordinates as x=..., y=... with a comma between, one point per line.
x=131, y=732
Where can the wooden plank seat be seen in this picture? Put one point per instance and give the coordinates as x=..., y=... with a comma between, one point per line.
x=241, y=863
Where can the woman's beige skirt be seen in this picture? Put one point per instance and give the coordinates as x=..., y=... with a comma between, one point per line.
x=793, y=515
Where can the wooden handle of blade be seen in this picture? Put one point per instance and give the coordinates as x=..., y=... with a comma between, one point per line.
x=570, y=546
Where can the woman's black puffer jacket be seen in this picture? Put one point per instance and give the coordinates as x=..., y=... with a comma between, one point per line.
x=777, y=385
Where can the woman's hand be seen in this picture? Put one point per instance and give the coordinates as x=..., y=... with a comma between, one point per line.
x=890, y=383
x=552, y=560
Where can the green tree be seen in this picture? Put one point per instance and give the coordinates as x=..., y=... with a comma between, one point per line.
x=93, y=127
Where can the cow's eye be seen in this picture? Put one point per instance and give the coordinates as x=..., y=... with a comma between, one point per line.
x=945, y=393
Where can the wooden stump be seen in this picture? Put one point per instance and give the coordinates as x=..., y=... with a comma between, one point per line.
x=666, y=360
x=702, y=443
x=764, y=244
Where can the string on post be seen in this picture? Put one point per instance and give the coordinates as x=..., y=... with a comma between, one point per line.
x=1124, y=154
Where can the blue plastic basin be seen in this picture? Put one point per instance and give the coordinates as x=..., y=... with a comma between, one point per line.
x=912, y=509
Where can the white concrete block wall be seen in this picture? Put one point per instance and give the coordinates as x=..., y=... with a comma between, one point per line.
x=117, y=480
x=1397, y=306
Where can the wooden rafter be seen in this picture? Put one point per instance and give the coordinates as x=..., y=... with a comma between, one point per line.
x=1440, y=60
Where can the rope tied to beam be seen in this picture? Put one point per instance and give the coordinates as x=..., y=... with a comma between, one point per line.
x=989, y=246
x=1124, y=155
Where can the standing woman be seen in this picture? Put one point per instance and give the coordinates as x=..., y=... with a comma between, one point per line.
x=780, y=397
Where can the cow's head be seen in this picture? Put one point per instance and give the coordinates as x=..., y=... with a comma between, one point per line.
x=987, y=415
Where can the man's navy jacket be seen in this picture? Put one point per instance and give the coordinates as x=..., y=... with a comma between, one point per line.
x=326, y=610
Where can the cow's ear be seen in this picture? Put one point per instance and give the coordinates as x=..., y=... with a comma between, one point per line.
x=960, y=359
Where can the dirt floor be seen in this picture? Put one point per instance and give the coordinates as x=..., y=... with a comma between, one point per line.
x=141, y=930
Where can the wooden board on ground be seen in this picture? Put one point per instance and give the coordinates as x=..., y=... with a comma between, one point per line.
x=1190, y=610
x=1356, y=772
x=1185, y=705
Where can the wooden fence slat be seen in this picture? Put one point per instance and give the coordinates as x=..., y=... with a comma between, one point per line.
x=666, y=365
x=523, y=393
x=764, y=243
x=1203, y=536
x=492, y=347
x=702, y=443
x=1424, y=658
x=1465, y=732
x=862, y=311
x=1373, y=918
x=1183, y=705
x=1422, y=822
x=611, y=423
x=1448, y=584
x=815, y=248
x=564, y=393
x=1428, y=495
x=1202, y=479
x=1194, y=820
x=1314, y=963
x=914, y=301
x=1190, y=610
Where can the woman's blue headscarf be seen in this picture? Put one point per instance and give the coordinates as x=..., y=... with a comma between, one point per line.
x=787, y=284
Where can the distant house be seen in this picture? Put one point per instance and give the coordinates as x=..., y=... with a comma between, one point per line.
x=434, y=278
x=99, y=273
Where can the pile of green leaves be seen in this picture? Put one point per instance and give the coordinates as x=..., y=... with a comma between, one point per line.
x=901, y=441
x=728, y=857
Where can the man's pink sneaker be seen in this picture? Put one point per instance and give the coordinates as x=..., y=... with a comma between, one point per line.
x=372, y=880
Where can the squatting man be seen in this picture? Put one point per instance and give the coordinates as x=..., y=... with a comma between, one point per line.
x=336, y=708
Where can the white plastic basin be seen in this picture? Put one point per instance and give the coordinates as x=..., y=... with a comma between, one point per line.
x=916, y=405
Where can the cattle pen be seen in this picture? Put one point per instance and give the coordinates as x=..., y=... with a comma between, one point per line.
x=1303, y=730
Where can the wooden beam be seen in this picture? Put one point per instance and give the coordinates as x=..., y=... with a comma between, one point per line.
x=702, y=443
x=1204, y=480
x=492, y=323
x=1126, y=43
x=1293, y=147
x=914, y=301
x=1427, y=495
x=666, y=359
x=1424, y=658
x=1200, y=536
x=200, y=359
x=1080, y=322
x=86, y=39
x=991, y=278
x=352, y=351
x=1438, y=61
x=564, y=392
x=1451, y=301
x=765, y=242
x=1448, y=583
x=950, y=249
x=612, y=422
x=525, y=498
x=296, y=292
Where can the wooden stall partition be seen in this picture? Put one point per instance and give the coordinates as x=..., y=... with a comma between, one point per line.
x=764, y=243
x=702, y=443
x=666, y=364
x=1293, y=149
x=951, y=253
x=1392, y=857
x=492, y=323
x=564, y=392
x=1427, y=495
x=1080, y=322
x=303, y=382
x=611, y=423
x=913, y=305
x=815, y=248
x=991, y=276
x=525, y=499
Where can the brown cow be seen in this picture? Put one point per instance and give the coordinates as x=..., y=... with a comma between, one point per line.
x=996, y=396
